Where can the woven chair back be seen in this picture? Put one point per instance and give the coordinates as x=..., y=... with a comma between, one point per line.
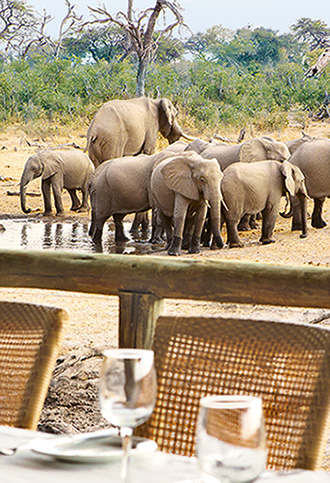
x=286, y=364
x=30, y=338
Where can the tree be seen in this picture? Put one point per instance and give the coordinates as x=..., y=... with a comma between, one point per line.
x=70, y=23
x=315, y=32
x=98, y=43
x=21, y=27
x=211, y=44
x=140, y=27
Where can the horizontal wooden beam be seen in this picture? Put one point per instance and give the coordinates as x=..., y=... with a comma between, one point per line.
x=165, y=277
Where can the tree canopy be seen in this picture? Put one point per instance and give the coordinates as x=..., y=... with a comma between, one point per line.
x=251, y=74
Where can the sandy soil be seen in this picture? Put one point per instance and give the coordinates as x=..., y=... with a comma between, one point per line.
x=72, y=405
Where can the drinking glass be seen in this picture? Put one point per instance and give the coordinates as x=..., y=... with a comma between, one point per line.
x=127, y=393
x=231, y=439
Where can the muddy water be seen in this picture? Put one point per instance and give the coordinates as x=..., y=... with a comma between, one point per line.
x=37, y=234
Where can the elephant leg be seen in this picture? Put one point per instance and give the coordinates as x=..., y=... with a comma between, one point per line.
x=84, y=203
x=92, y=225
x=157, y=227
x=96, y=229
x=140, y=219
x=75, y=203
x=188, y=230
x=268, y=224
x=145, y=223
x=200, y=217
x=253, y=222
x=168, y=225
x=233, y=240
x=317, y=220
x=244, y=223
x=57, y=192
x=207, y=232
x=120, y=236
x=296, y=214
x=179, y=216
x=46, y=193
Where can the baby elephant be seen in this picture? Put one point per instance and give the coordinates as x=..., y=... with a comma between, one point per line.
x=184, y=186
x=249, y=188
x=66, y=168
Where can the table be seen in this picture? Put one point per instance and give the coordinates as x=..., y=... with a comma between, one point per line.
x=25, y=466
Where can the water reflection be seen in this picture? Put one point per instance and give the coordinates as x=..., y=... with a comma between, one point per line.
x=24, y=235
x=32, y=234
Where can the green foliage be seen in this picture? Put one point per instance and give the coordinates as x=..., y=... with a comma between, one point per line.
x=212, y=93
x=315, y=33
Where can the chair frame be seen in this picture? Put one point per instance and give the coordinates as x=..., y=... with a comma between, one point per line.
x=30, y=340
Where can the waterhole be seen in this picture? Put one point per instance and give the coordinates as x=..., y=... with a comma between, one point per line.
x=38, y=234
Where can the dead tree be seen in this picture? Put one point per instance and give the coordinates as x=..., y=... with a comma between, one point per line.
x=324, y=111
x=141, y=29
x=22, y=28
x=320, y=64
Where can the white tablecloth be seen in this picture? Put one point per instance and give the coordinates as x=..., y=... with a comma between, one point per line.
x=26, y=466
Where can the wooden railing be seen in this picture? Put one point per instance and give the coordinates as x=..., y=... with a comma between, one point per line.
x=143, y=282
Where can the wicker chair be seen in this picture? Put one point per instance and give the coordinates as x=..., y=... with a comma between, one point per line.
x=30, y=337
x=287, y=364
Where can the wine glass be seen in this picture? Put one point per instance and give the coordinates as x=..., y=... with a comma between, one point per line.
x=231, y=439
x=127, y=393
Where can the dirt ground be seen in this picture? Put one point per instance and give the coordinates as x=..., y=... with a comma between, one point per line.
x=72, y=402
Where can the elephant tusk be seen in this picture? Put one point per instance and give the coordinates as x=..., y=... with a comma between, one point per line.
x=188, y=138
x=207, y=203
x=224, y=205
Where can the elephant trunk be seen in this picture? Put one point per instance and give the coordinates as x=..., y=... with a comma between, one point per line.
x=287, y=214
x=303, y=210
x=216, y=223
x=23, y=185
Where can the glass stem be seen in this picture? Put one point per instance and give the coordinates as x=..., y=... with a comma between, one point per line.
x=126, y=435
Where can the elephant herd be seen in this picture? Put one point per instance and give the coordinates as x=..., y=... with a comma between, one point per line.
x=192, y=188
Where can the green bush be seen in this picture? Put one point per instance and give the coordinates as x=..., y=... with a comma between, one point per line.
x=211, y=94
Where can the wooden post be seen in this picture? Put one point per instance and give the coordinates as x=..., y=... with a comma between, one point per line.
x=138, y=313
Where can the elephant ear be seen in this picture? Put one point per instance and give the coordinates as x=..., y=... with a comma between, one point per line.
x=52, y=164
x=252, y=150
x=177, y=177
x=167, y=116
x=287, y=171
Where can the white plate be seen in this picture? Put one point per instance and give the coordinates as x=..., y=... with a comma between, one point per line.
x=97, y=447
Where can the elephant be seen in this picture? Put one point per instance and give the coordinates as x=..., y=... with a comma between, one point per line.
x=118, y=187
x=130, y=127
x=65, y=168
x=184, y=186
x=294, y=144
x=142, y=219
x=250, y=188
x=313, y=158
x=256, y=149
x=199, y=145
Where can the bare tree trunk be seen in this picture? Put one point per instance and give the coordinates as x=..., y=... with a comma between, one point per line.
x=141, y=77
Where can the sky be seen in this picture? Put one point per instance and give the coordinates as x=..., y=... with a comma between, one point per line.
x=202, y=14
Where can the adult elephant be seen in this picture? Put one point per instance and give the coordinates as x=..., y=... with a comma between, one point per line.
x=295, y=144
x=67, y=168
x=119, y=187
x=250, y=188
x=130, y=127
x=184, y=186
x=256, y=149
x=313, y=158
